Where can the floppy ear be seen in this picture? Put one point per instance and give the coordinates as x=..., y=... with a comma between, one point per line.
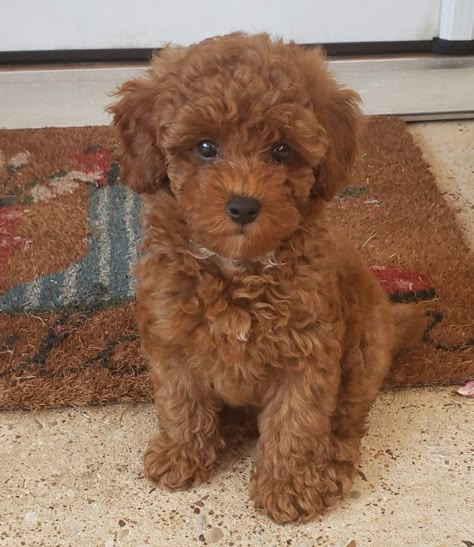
x=342, y=121
x=337, y=110
x=144, y=108
x=142, y=163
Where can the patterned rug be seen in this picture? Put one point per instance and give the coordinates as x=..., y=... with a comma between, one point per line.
x=70, y=232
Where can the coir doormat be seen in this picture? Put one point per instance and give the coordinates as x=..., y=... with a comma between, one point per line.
x=69, y=233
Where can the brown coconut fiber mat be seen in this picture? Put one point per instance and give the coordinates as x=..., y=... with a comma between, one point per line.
x=69, y=232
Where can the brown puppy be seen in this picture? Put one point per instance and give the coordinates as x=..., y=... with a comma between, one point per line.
x=247, y=295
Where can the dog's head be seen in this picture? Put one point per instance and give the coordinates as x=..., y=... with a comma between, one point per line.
x=247, y=132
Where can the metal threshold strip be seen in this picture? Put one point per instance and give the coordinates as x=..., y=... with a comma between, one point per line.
x=414, y=87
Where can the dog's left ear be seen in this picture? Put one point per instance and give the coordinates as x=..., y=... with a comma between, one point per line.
x=143, y=107
x=342, y=120
x=141, y=161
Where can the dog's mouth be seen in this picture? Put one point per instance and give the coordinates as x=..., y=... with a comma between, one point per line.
x=248, y=243
x=242, y=231
x=245, y=226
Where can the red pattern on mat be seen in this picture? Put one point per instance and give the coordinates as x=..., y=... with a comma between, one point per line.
x=401, y=281
x=94, y=160
x=9, y=240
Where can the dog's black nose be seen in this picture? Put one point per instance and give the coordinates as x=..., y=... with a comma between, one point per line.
x=243, y=210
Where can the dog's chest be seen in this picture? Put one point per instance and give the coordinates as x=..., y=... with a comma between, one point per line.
x=247, y=328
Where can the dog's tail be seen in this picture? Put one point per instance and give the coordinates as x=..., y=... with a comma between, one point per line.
x=411, y=324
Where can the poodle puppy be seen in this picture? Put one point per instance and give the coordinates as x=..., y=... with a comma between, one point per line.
x=246, y=295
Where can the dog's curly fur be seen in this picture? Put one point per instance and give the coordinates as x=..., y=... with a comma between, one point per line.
x=281, y=314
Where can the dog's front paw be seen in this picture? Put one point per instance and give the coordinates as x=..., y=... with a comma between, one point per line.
x=178, y=466
x=299, y=497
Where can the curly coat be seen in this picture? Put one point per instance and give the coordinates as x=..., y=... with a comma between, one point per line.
x=281, y=314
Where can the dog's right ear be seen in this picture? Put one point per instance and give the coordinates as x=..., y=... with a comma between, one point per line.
x=142, y=163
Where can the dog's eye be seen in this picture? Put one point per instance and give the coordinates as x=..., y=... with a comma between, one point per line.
x=207, y=150
x=281, y=152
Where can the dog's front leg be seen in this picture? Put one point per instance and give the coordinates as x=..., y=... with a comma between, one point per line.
x=184, y=451
x=294, y=477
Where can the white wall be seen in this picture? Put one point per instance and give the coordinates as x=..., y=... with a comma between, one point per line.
x=457, y=20
x=102, y=24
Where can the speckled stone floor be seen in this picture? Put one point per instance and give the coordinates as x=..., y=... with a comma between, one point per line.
x=74, y=477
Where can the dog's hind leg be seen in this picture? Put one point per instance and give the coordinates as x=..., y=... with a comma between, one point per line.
x=411, y=322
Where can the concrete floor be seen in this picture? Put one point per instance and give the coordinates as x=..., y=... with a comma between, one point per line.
x=74, y=476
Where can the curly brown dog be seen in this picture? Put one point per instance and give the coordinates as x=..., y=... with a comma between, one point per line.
x=247, y=296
